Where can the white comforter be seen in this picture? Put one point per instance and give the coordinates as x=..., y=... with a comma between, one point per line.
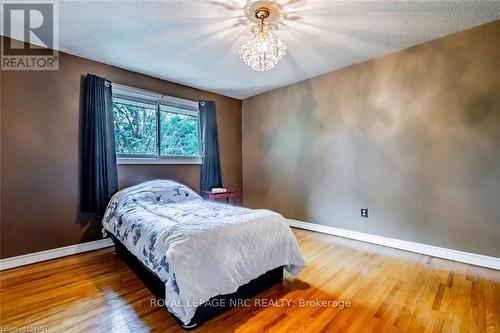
x=200, y=249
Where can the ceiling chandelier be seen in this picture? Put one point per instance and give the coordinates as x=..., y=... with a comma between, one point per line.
x=264, y=49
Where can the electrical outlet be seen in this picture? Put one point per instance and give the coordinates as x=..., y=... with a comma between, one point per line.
x=364, y=212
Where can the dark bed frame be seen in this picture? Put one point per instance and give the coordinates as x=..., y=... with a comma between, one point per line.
x=206, y=311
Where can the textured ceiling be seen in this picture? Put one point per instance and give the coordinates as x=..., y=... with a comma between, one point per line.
x=196, y=42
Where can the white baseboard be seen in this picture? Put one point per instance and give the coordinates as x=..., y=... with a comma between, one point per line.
x=31, y=258
x=435, y=251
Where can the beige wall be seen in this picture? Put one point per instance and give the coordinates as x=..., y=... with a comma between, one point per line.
x=40, y=113
x=414, y=136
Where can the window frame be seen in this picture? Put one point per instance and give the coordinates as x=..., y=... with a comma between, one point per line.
x=140, y=96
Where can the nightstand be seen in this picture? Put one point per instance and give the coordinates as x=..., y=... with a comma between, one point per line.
x=228, y=195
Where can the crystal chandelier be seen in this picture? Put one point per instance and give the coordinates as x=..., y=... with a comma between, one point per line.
x=264, y=49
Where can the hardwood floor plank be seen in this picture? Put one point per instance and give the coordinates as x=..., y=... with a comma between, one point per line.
x=389, y=290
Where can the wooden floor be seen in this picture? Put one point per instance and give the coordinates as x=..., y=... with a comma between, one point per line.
x=389, y=290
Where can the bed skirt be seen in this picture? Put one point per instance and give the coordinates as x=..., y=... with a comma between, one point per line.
x=206, y=311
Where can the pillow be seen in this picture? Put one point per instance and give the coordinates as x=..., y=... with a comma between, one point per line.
x=161, y=191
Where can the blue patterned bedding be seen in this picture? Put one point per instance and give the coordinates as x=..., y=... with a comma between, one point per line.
x=199, y=248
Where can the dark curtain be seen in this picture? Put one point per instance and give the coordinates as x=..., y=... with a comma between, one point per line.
x=99, y=180
x=210, y=169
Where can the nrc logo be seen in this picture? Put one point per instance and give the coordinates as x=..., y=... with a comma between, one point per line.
x=31, y=28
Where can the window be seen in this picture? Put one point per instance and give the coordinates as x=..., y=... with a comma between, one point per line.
x=135, y=128
x=155, y=129
x=178, y=132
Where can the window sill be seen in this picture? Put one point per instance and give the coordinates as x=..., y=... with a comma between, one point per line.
x=173, y=160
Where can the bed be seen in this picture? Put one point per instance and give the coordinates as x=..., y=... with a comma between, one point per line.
x=190, y=252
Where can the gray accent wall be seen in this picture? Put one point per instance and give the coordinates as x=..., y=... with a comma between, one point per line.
x=414, y=136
